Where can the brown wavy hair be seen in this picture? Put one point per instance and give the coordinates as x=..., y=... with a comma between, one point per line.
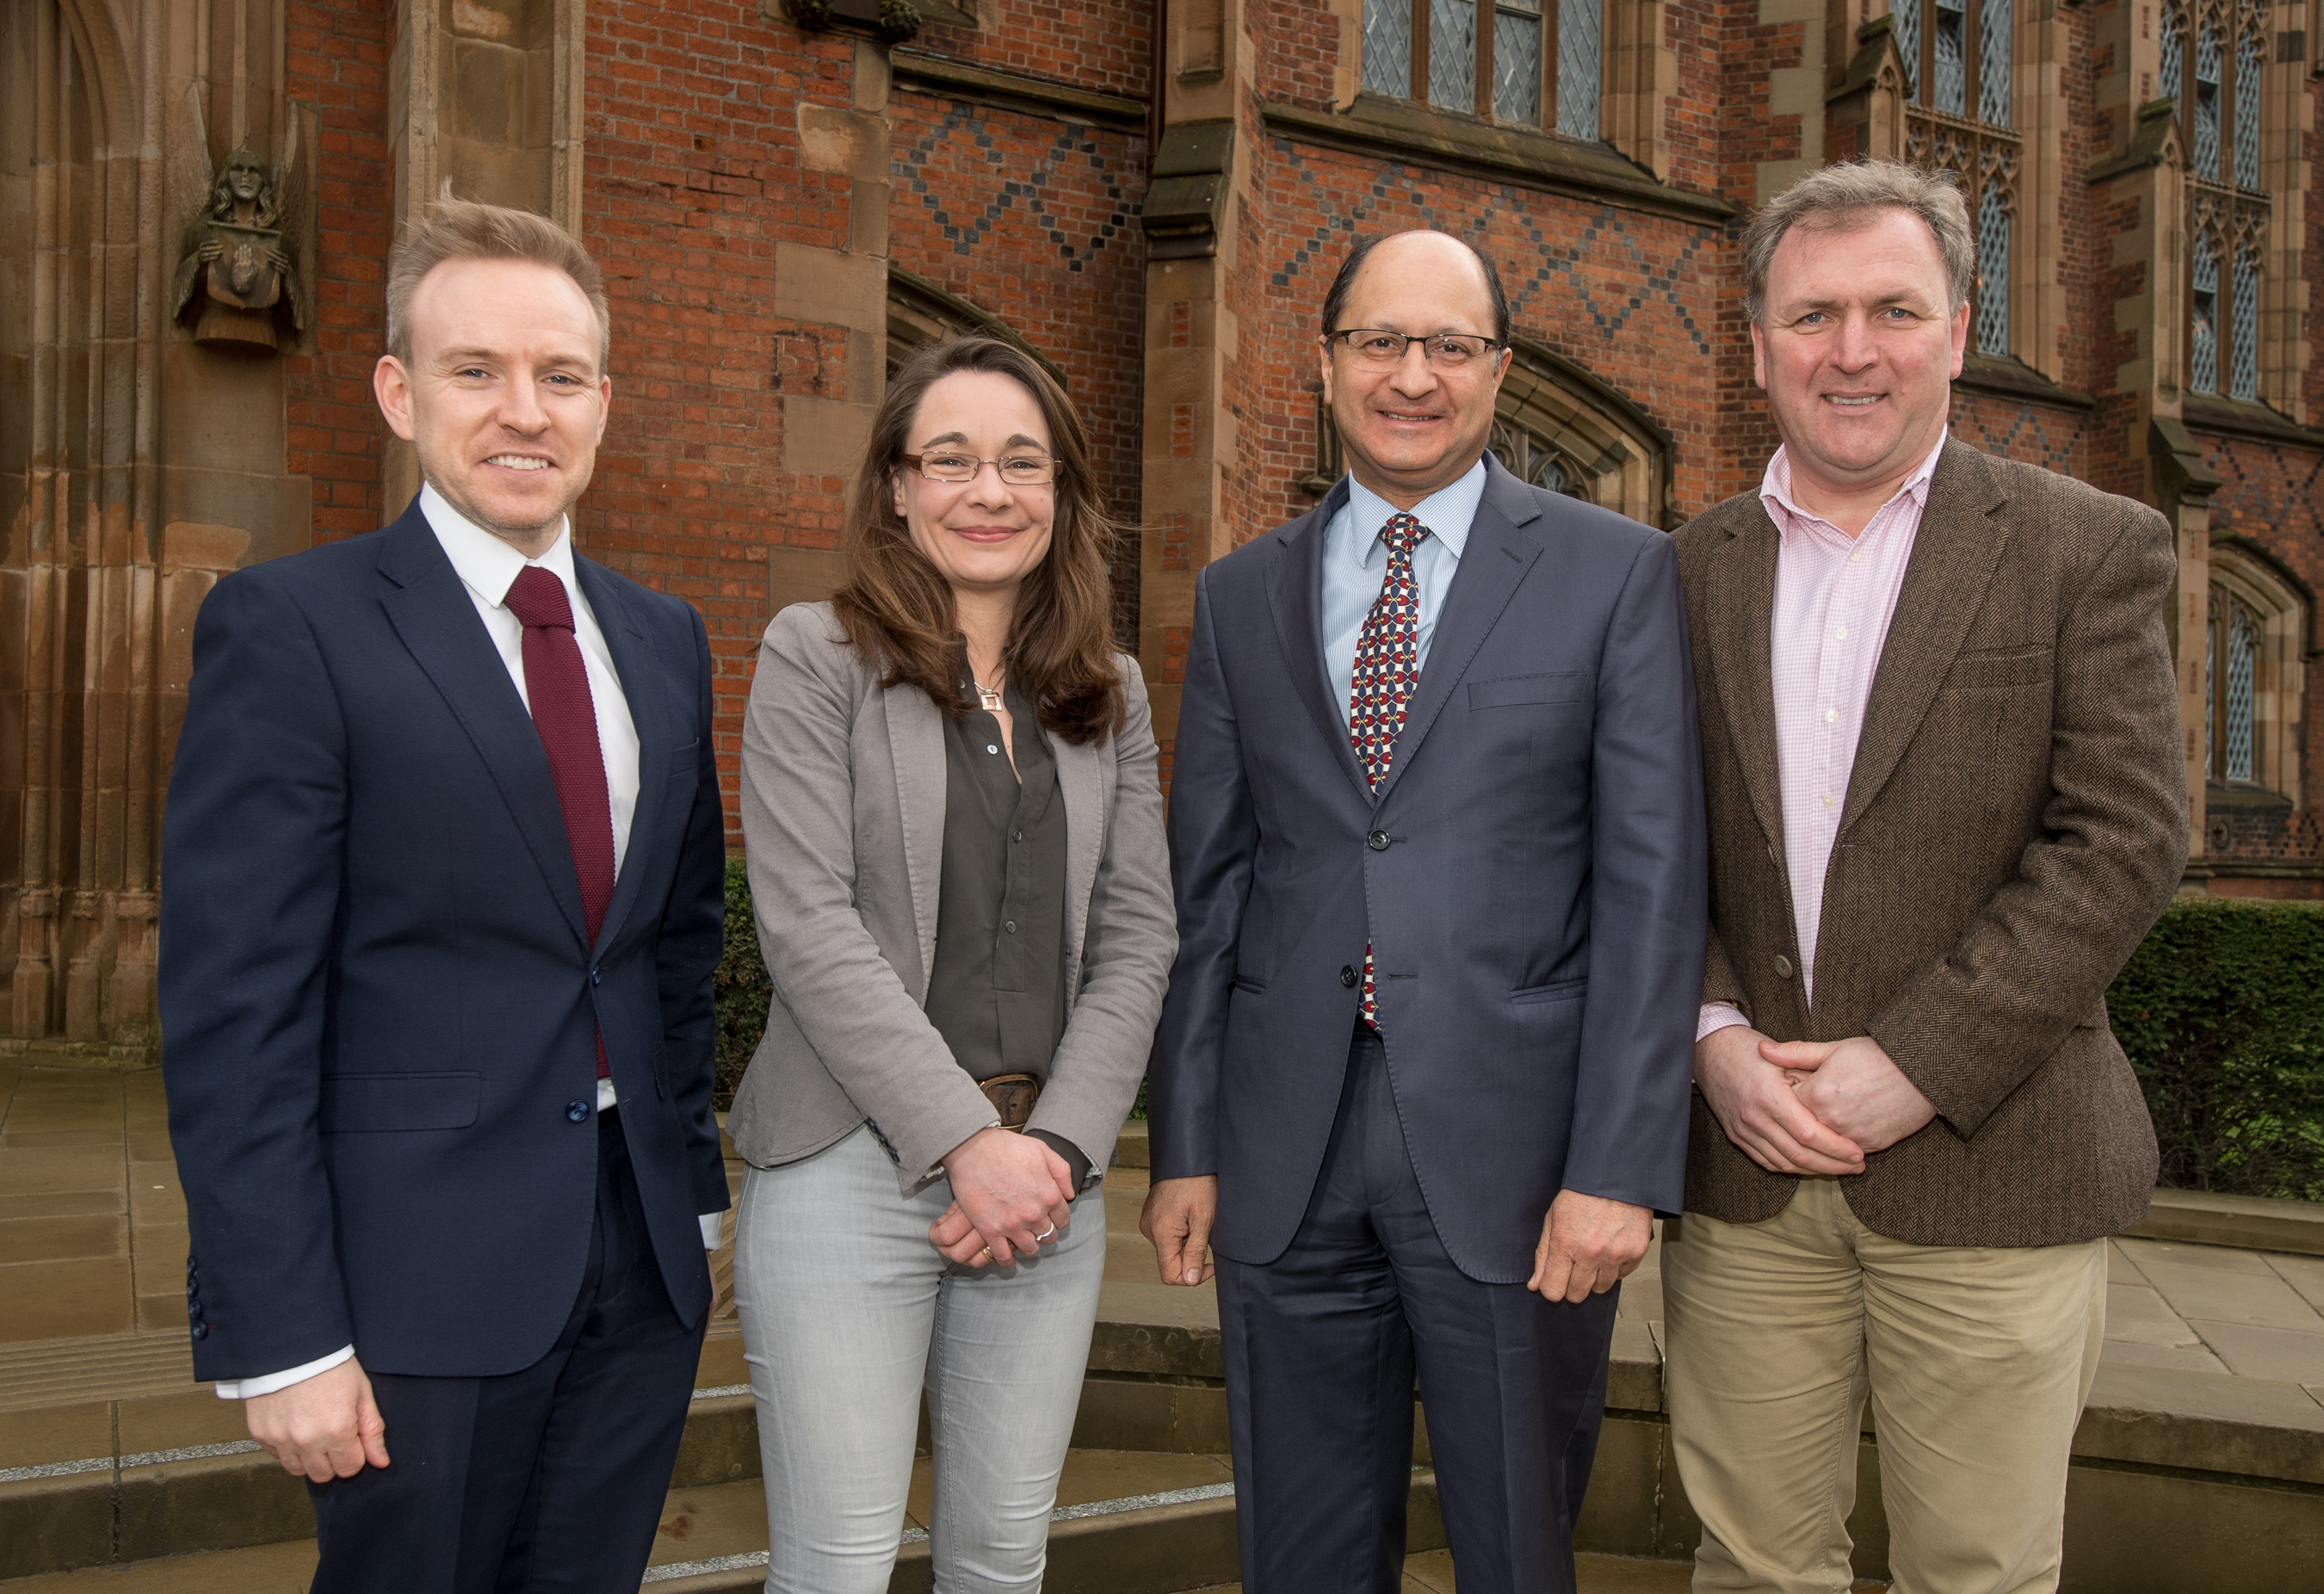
x=897, y=608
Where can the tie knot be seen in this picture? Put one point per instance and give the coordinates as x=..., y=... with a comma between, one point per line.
x=538, y=598
x=1402, y=533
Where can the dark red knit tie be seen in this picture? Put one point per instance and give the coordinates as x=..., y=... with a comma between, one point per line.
x=557, y=683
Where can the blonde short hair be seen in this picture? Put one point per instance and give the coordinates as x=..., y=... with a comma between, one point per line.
x=1840, y=198
x=464, y=230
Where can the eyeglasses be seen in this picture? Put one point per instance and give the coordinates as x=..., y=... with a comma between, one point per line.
x=1017, y=470
x=1445, y=351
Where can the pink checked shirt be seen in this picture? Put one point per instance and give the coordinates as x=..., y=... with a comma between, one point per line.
x=1835, y=595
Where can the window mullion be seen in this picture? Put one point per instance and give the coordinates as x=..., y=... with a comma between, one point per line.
x=1420, y=50
x=1487, y=24
x=1551, y=28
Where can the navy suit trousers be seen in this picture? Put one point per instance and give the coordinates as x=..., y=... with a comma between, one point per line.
x=1322, y=1347
x=547, y=1480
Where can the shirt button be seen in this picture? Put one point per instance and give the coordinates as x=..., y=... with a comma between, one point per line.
x=1019, y=836
x=1826, y=799
x=1841, y=633
x=1830, y=714
x=1011, y=926
x=989, y=747
x=1855, y=554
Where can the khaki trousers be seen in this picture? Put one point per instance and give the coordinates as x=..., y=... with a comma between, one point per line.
x=1977, y=1360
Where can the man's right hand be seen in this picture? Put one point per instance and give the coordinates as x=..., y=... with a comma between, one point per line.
x=1754, y=1103
x=324, y=1427
x=1177, y=1219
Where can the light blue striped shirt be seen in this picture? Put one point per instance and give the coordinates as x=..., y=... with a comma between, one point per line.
x=1355, y=563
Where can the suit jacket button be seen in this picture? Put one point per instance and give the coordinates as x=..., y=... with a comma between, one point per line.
x=574, y=1111
x=597, y=976
x=1783, y=968
x=1348, y=976
x=201, y=1330
x=1378, y=840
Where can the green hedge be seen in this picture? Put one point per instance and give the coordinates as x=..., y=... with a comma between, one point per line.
x=2222, y=1013
x=2221, y=1010
x=741, y=986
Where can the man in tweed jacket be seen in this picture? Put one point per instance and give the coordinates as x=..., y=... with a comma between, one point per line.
x=1942, y=764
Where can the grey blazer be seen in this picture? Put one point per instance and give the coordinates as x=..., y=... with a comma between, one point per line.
x=843, y=826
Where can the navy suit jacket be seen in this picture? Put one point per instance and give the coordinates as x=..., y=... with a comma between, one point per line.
x=1531, y=876
x=378, y=1001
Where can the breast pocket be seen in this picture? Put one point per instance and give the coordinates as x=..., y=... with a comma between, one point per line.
x=1518, y=691
x=357, y=1102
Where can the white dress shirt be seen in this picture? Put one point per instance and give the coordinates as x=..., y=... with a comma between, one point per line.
x=487, y=566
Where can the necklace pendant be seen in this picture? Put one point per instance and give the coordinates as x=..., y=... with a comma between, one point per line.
x=987, y=699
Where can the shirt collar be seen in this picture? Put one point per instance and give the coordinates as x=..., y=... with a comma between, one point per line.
x=484, y=563
x=1447, y=513
x=1776, y=487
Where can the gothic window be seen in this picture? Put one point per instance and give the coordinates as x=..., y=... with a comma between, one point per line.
x=2213, y=57
x=2253, y=670
x=1959, y=86
x=1537, y=65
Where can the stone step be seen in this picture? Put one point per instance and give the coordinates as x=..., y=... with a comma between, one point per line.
x=1126, y=1523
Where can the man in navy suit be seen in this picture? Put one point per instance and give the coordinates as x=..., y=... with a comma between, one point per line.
x=441, y=898
x=1436, y=829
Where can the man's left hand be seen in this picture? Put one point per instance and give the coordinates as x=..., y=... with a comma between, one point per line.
x=1588, y=1244
x=1856, y=1088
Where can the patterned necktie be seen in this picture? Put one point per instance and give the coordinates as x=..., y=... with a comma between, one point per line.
x=556, y=685
x=1388, y=667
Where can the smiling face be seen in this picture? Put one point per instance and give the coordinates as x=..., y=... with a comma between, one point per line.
x=1857, y=353
x=984, y=536
x=1409, y=429
x=502, y=395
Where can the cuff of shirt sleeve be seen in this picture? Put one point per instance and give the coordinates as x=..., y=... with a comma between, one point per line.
x=714, y=1230
x=246, y=1388
x=1716, y=1016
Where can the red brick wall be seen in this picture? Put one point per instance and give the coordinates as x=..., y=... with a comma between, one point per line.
x=337, y=57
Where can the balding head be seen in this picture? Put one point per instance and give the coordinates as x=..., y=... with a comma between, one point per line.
x=1427, y=249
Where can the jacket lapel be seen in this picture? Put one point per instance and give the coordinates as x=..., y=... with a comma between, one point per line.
x=1081, y=784
x=642, y=686
x=1493, y=562
x=432, y=612
x=1740, y=598
x=1954, y=554
x=915, y=744
x=1297, y=595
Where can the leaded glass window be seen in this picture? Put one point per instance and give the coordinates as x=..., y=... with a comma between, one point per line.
x=1388, y=48
x=1538, y=63
x=1452, y=54
x=1516, y=65
x=1960, y=85
x=2214, y=59
x=2231, y=656
x=1529, y=456
x=2203, y=323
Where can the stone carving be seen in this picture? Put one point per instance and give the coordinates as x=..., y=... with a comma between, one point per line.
x=237, y=275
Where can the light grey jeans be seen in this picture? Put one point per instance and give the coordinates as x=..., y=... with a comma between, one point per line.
x=847, y=1306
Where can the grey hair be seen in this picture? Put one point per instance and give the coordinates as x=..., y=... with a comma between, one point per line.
x=464, y=230
x=1841, y=199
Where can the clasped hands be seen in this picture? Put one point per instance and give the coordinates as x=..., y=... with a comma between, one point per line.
x=1011, y=1195
x=1807, y=1106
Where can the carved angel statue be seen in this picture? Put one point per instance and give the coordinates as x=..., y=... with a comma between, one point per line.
x=238, y=271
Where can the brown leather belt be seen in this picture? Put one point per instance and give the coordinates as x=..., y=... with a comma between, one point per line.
x=1012, y=1096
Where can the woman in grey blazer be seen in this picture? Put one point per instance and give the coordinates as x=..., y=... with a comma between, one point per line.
x=954, y=836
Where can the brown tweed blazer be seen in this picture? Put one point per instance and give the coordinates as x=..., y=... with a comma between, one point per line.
x=2015, y=820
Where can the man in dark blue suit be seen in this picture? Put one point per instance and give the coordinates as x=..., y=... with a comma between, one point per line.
x=1436, y=828
x=441, y=899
